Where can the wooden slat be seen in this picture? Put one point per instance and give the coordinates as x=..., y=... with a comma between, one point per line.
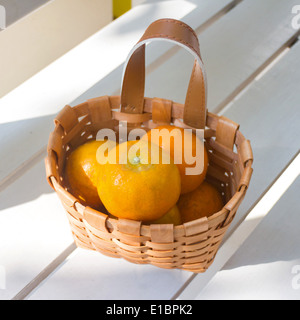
x=107, y=278
x=34, y=229
x=263, y=266
x=269, y=115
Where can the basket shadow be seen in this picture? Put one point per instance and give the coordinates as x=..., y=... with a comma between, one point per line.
x=28, y=187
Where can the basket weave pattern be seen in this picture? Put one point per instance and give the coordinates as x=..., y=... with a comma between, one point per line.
x=193, y=245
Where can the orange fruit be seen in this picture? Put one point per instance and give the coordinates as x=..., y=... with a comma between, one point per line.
x=181, y=143
x=202, y=202
x=82, y=171
x=131, y=187
x=171, y=217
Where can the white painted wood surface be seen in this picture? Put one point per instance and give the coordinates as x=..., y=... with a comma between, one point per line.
x=34, y=229
x=267, y=265
x=268, y=112
x=88, y=275
x=98, y=277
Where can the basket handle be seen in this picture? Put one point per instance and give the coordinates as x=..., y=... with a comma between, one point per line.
x=133, y=82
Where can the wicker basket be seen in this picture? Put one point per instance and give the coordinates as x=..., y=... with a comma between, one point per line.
x=191, y=246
